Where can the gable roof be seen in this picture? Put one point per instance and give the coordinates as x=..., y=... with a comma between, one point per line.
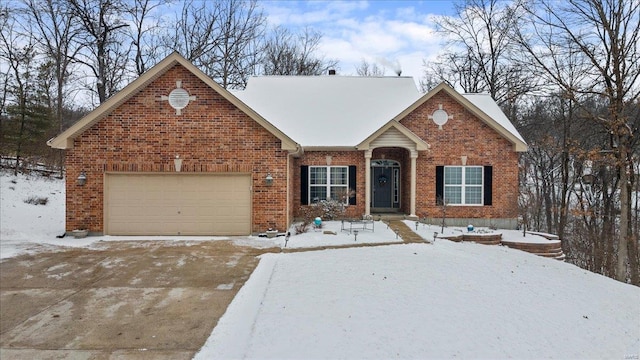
x=347, y=111
x=329, y=111
x=65, y=139
x=482, y=106
x=420, y=144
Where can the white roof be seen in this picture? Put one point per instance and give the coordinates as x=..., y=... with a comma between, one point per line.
x=329, y=110
x=485, y=103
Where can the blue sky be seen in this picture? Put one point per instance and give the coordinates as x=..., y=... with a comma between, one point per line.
x=385, y=32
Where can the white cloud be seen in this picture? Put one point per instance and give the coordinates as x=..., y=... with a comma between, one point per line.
x=375, y=31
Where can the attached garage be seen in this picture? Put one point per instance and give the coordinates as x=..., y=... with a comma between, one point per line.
x=177, y=204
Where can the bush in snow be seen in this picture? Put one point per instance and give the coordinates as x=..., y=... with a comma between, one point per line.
x=37, y=200
x=324, y=209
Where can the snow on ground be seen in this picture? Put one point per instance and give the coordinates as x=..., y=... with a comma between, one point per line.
x=428, y=232
x=27, y=228
x=336, y=236
x=445, y=300
x=438, y=300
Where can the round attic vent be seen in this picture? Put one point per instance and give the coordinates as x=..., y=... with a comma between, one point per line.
x=440, y=117
x=179, y=98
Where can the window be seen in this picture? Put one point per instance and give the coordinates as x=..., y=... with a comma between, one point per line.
x=463, y=185
x=329, y=182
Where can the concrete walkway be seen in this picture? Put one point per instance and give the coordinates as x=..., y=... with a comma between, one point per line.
x=407, y=235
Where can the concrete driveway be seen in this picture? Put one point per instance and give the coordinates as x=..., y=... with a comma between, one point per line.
x=120, y=300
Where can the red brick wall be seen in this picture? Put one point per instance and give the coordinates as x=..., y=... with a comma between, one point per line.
x=144, y=135
x=463, y=135
x=344, y=158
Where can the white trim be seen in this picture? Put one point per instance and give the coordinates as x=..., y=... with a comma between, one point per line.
x=328, y=185
x=462, y=185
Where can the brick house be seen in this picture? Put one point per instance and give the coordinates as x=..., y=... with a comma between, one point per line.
x=174, y=153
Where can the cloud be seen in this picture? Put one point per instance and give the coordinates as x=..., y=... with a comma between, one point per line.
x=377, y=31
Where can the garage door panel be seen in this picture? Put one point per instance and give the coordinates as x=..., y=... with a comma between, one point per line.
x=178, y=204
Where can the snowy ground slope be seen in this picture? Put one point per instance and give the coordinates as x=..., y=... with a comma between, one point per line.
x=31, y=228
x=400, y=301
x=413, y=301
x=25, y=226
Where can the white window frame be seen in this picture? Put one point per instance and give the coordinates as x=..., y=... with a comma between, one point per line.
x=328, y=185
x=463, y=186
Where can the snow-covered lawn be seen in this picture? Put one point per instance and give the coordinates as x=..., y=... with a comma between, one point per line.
x=439, y=300
x=415, y=301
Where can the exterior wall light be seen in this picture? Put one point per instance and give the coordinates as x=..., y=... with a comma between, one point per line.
x=268, y=180
x=82, y=178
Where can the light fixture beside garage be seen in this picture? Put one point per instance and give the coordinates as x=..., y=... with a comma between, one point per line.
x=82, y=178
x=268, y=180
x=178, y=163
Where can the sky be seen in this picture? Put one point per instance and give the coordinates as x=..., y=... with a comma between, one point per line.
x=389, y=33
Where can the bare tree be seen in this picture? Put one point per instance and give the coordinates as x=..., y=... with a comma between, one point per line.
x=605, y=33
x=480, y=49
x=144, y=36
x=27, y=116
x=221, y=38
x=369, y=69
x=287, y=53
x=57, y=32
x=237, y=52
x=196, y=31
x=102, y=40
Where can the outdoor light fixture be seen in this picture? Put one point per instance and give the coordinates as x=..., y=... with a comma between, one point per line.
x=82, y=178
x=268, y=180
x=355, y=235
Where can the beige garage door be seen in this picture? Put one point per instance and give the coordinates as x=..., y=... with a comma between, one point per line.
x=177, y=204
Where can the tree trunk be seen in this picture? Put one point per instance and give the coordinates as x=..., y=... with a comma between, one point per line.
x=625, y=206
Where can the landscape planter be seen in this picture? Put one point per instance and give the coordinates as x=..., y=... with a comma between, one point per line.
x=78, y=234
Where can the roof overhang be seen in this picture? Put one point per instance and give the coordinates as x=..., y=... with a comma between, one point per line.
x=421, y=145
x=518, y=144
x=330, y=148
x=65, y=139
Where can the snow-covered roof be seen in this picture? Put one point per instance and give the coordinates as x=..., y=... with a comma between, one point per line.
x=485, y=103
x=329, y=110
x=342, y=111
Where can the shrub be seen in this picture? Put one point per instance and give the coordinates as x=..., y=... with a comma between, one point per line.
x=37, y=200
x=324, y=209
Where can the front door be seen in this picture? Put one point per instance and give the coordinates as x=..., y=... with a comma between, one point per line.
x=385, y=185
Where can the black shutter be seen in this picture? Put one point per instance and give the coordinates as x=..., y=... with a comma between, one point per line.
x=439, y=185
x=304, y=185
x=352, y=184
x=488, y=183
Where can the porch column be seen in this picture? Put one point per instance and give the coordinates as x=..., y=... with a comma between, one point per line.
x=414, y=156
x=367, y=181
